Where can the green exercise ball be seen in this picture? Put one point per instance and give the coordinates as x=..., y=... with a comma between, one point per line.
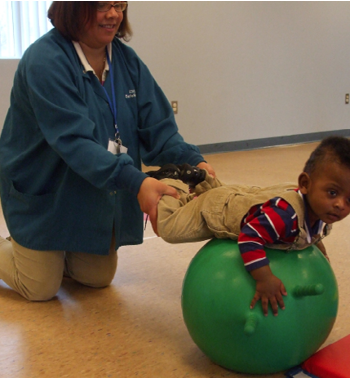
x=216, y=295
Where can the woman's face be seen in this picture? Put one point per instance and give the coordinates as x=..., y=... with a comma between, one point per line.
x=100, y=33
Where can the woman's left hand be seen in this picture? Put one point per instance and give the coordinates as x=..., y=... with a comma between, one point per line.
x=207, y=167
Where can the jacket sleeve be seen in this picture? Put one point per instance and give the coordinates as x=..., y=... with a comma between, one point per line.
x=161, y=141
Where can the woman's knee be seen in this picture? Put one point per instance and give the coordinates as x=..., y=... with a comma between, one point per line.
x=36, y=275
x=98, y=282
x=92, y=270
x=99, y=278
x=40, y=293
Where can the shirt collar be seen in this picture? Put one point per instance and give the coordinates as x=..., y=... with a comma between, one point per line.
x=318, y=226
x=84, y=61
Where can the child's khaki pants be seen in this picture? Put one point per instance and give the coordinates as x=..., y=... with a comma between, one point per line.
x=217, y=211
x=37, y=275
x=178, y=223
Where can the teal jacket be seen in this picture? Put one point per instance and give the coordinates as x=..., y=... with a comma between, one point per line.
x=60, y=187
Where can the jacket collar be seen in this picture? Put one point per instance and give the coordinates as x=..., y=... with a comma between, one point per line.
x=85, y=63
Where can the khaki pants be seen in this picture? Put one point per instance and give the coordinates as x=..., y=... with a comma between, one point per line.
x=185, y=219
x=217, y=210
x=37, y=275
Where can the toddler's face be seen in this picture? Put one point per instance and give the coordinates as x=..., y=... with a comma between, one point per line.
x=328, y=193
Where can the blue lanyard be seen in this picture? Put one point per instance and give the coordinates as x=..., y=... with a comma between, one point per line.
x=112, y=104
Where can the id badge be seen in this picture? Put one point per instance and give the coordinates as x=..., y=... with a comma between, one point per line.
x=112, y=147
x=123, y=149
x=116, y=147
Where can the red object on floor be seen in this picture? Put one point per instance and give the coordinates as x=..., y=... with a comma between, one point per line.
x=333, y=361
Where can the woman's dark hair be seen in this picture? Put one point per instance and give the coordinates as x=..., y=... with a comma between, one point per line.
x=69, y=18
x=333, y=148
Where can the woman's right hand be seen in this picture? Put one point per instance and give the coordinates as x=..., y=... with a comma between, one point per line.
x=151, y=191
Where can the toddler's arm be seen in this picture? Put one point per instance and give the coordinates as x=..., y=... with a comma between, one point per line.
x=322, y=248
x=274, y=221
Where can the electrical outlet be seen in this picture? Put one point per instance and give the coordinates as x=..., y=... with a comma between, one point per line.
x=347, y=98
x=175, y=106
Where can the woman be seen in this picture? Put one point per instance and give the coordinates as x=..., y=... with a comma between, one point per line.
x=85, y=111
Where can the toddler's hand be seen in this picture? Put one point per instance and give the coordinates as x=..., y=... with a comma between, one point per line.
x=269, y=289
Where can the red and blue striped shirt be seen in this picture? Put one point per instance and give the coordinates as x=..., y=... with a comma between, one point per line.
x=274, y=222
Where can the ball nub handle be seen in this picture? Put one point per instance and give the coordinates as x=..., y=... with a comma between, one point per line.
x=251, y=324
x=308, y=290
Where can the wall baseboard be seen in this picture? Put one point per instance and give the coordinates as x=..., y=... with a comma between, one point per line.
x=252, y=144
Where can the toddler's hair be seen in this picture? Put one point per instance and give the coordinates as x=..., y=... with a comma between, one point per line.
x=332, y=148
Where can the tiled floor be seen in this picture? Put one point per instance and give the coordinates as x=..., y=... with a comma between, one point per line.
x=134, y=328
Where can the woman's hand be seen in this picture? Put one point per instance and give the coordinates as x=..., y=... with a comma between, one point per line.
x=207, y=167
x=151, y=191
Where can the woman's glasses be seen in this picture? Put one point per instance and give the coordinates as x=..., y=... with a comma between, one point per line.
x=104, y=6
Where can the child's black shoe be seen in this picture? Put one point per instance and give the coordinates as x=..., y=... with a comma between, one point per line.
x=167, y=171
x=190, y=175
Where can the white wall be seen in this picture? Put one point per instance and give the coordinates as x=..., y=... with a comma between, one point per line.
x=7, y=71
x=246, y=70
x=243, y=70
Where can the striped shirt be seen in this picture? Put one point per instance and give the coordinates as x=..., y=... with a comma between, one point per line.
x=274, y=222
